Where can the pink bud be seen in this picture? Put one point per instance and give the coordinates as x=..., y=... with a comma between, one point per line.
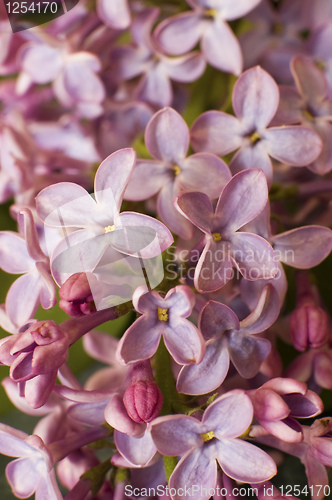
x=76, y=297
x=143, y=401
x=308, y=327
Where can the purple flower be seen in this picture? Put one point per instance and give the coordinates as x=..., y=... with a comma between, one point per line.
x=33, y=471
x=105, y=233
x=241, y=200
x=115, y=14
x=157, y=70
x=310, y=106
x=171, y=173
x=206, y=23
x=255, y=102
x=162, y=316
x=228, y=339
x=278, y=401
x=213, y=439
x=23, y=255
x=74, y=78
x=34, y=357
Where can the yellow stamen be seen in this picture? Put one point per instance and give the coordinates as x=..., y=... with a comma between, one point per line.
x=308, y=115
x=320, y=64
x=109, y=229
x=278, y=29
x=211, y=12
x=176, y=169
x=255, y=137
x=208, y=436
x=216, y=237
x=162, y=314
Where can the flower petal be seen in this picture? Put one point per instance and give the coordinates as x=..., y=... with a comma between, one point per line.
x=247, y=353
x=22, y=299
x=179, y=34
x=208, y=375
x=293, y=145
x=111, y=180
x=149, y=176
x=217, y=35
x=198, y=209
x=230, y=415
x=138, y=451
x=250, y=156
x=24, y=474
x=196, y=469
x=254, y=256
x=114, y=14
x=175, y=434
x=245, y=462
x=144, y=228
x=116, y=415
x=214, y=268
x=168, y=213
x=167, y=136
x=216, y=132
x=139, y=342
x=265, y=312
x=242, y=199
x=204, y=172
x=66, y=205
x=14, y=257
x=215, y=319
x=12, y=442
x=184, y=341
x=303, y=247
x=255, y=98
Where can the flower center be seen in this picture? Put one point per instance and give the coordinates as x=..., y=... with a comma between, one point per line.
x=308, y=115
x=109, y=229
x=208, y=436
x=255, y=137
x=216, y=236
x=176, y=169
x=211, y=12
x=162, y=314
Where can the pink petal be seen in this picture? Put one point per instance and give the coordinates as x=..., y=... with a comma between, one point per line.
x=138, y=451
x=66, y=205
x=14, y=257
x=179, y=34
x=173, y=219
x=217, y=132
x=196, y=468
x=204, y=172
x=115, y=14
x=293, y=145
x=111, y=180
x=198, y=209
x=303, y=247
x=175, y=434
x=229, y=415
x=245, y=462
x=255, y=98
x=185, y=69
x=219, y=35
x=214, y=268
x=117, y=416
x=184, y=342
x=208, y=375
x=22, y=299
x=233, y=10
x=242, y=199
x=167, y=136
x=139, y=342
x=148, y=178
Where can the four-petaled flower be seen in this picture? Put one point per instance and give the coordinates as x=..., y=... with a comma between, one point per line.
x=214, y=439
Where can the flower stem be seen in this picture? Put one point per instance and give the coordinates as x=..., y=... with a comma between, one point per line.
x=166, y=383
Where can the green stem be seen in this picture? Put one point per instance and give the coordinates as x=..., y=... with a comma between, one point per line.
x=166, y=383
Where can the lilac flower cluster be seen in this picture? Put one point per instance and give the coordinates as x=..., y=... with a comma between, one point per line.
x=168, y=162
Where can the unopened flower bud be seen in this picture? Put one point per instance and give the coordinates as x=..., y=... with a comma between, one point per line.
x=143, y=401
x=308, y=327
x=76, y=296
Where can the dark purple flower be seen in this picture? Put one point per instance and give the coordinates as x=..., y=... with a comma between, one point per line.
x=215, y=438
x=255, y=102
x=241, y=200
